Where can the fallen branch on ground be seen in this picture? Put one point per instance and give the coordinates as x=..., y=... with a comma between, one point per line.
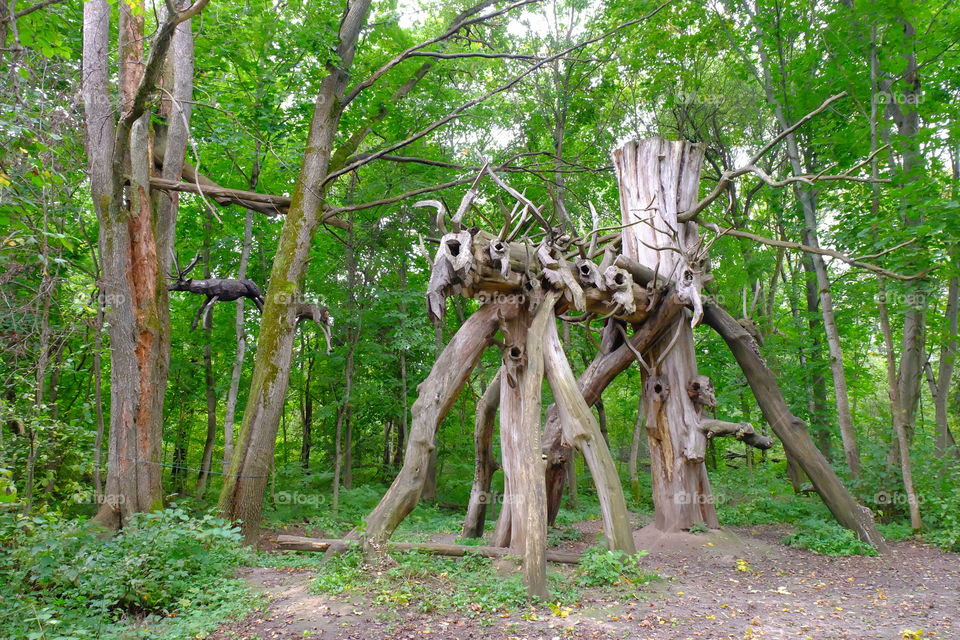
x=301, y=543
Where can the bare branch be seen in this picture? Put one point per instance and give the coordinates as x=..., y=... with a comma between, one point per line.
x=796, y=246
x=504, y=87
x=411, y=50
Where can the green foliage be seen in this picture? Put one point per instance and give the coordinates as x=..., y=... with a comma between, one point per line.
x=600, y=566
x=699, y=527
x=761, y=496
x=75, y=580
x=828, y=538
x=895, y=531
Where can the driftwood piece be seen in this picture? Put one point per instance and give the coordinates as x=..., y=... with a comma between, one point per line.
x=742, y=431
x=791, y=430
x=520, y=440
x=452, y=271
x=486, y=460
x=581, y=429
x=595, y=378
x=300, y=543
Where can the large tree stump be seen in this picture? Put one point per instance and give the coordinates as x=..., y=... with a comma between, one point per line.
x=658, y=179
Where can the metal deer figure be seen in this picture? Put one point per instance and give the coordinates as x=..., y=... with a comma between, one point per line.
x=215, y=289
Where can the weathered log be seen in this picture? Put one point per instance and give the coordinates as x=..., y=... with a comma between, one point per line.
x=791, y=430
x=742, y=431
x=300, y=543
x=581, y=430
x=486, y=461
x=658, y=180
x=595, y=378
x=436, y=394
x=520, y=393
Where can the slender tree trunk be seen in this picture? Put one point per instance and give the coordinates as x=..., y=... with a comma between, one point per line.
x=243, y=489
x=348, y=449
x=97, y=365
x=307, y=441
x=896, y=407
x=240, y=331
x=820, y=422
x=206, y=459
x=635, y=450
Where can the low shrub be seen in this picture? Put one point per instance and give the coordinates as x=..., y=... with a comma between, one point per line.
x=600, y=567
x=71, y=577
x=829, y=539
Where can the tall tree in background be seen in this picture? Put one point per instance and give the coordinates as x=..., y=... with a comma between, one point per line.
x=136, y=236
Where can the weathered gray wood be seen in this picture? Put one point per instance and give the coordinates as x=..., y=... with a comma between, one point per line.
x=520, y=391
x=436, y=395
x=658, y=179
x=300, y=543
x=791, y=430
x=581, y=430
x=486, y=461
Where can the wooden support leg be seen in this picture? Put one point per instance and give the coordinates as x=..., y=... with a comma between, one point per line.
x=486, y=462
x=436, y=396
x=580, y=429
x=520, y=439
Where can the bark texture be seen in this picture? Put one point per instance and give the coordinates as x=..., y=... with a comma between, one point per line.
x=658, y=180
x=243, y=489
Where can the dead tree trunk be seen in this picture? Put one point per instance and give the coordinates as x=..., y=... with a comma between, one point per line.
x=581, y=429
x=520, y=384
x=658, y=180
x=244, y=485
x=792, y=431
x=486, y=461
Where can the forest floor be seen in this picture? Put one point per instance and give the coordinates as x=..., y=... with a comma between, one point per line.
x=740, y=582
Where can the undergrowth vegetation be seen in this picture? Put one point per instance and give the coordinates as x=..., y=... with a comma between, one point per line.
x=472, y=584
x=167, y=574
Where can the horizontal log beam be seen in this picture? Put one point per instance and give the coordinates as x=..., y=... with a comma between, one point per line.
x=301, y=543
x=264, y=203
x=742, y=431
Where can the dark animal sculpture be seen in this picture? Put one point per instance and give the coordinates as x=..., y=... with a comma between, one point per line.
x=230, y=289
x=215, y=290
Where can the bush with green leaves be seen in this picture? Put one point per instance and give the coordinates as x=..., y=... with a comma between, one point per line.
x=74, y=577
x=600, y=567
x=829, y=539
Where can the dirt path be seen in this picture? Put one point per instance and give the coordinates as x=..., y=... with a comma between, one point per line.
x=730, y=584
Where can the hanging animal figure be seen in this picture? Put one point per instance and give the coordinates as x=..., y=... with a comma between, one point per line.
x=230, y=289
x=215, y=289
